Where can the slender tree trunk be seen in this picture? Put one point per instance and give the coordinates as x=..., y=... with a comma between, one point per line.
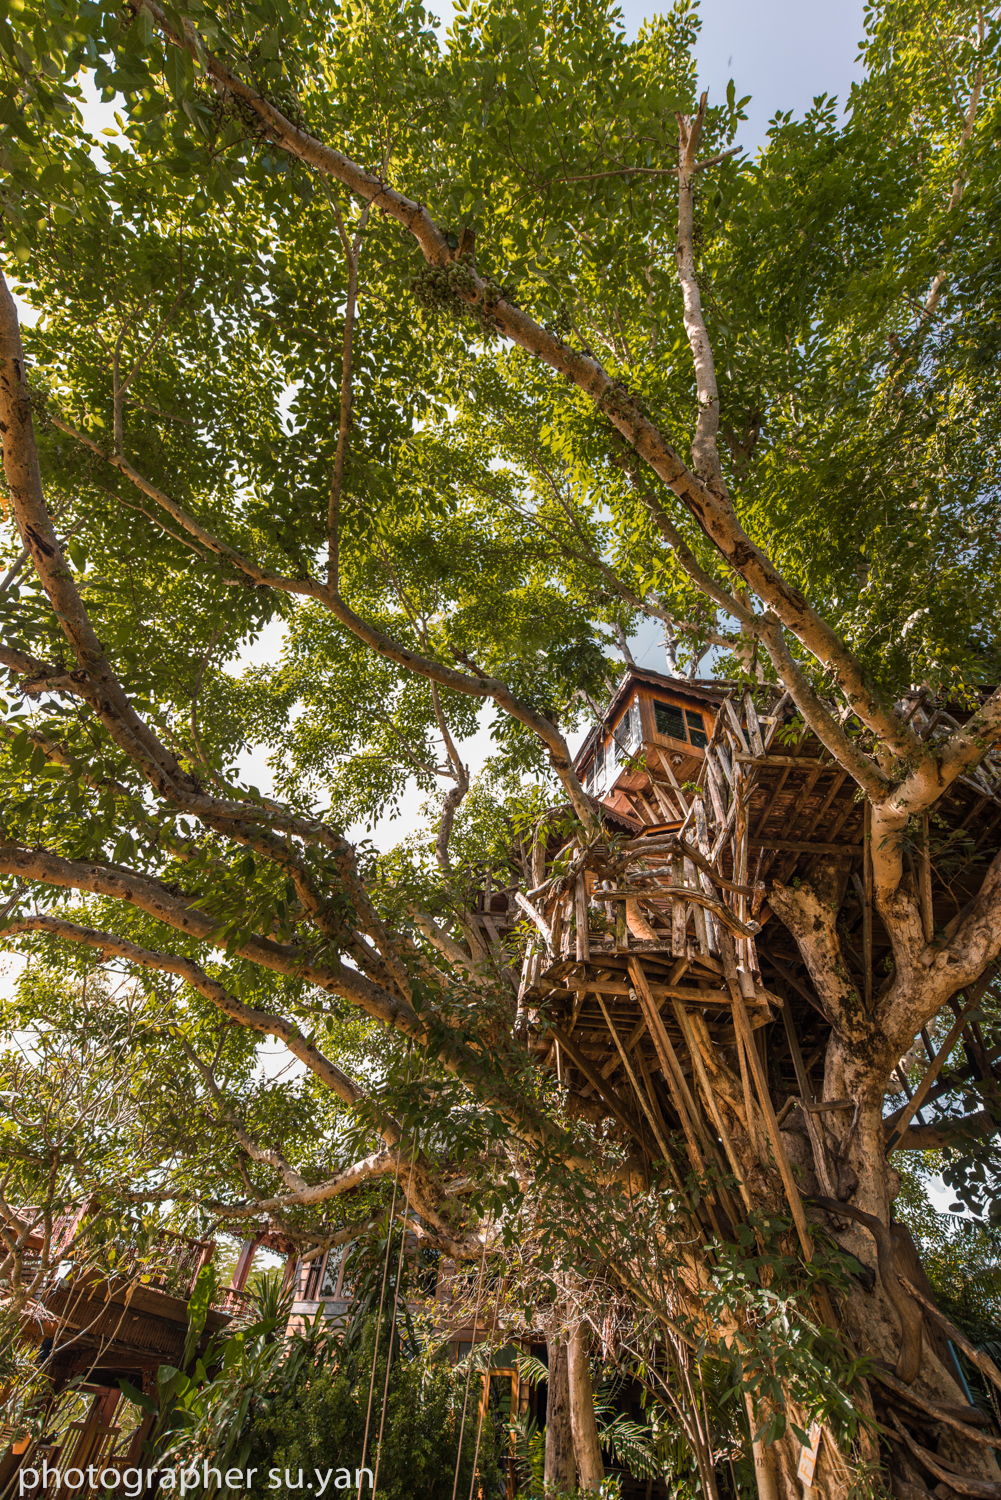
x=561, y=1468
x=586, y=1446
x=764, y=1459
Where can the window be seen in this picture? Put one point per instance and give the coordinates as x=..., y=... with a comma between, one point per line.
x=670, y=720
x=680, y=723
x=314, y=1270
x=696, y=732
x=627, y=736
x=333, y=1265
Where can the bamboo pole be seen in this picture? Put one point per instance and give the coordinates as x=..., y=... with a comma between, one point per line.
x=639, y=1091
x=940, y=1059
x=677, y=1083
x=743, y=1028
x=709, y=1094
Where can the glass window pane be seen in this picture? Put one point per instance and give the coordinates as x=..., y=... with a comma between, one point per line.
x=696, y=733
x=314, y=1271
x=330, y=1272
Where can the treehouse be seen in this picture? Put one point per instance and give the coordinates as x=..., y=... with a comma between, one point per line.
x=656, y=945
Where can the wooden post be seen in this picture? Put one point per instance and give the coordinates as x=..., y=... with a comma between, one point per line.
x=580, y=910
x=867, y=907
x=561, y=1466
x=924, y=882
x=586, y=1443
x=743, y=1029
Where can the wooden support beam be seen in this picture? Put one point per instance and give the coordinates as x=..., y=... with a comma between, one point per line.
x=580, y=913
x=808, y=762
x=753, y=727
x=743, y=1028
x=974, y=996
x=637, y=1089
x=594, y=1078
x=800, y=846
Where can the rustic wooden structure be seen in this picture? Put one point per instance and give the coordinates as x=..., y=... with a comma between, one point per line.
x=98, y=1320
x=657, y=943
x=654, y=967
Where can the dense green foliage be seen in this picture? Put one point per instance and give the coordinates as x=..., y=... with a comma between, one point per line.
x=471, y=516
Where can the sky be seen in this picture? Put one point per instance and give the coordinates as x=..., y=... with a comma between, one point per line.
x=781, y=52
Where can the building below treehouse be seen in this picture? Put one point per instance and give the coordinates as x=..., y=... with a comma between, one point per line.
x=102, y=1315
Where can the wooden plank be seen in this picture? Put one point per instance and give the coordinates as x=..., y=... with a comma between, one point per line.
x=735, y=724
x=580, y=911
x=776, y=718
x=639, y=1092
x=753, y=727
x=679, y=909
x=716, y=792
x=791, y=846
x=724, y=761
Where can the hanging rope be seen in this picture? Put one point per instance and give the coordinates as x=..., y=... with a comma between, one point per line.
x=486, y=1388
x=378, y=1327
x=469, y=1369
x=396, y=1305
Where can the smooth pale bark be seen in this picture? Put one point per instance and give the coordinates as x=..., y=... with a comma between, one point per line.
x=586, y=1444
x=764, y=1459
x=561, y=1466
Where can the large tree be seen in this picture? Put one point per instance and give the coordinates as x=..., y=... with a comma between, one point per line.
x=458, y=359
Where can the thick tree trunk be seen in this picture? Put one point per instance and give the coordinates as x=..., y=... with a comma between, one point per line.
x=848, y=1150
x=561, y=1468
x=586, y=1446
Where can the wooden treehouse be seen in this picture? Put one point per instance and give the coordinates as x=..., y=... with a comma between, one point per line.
x=643, y=943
